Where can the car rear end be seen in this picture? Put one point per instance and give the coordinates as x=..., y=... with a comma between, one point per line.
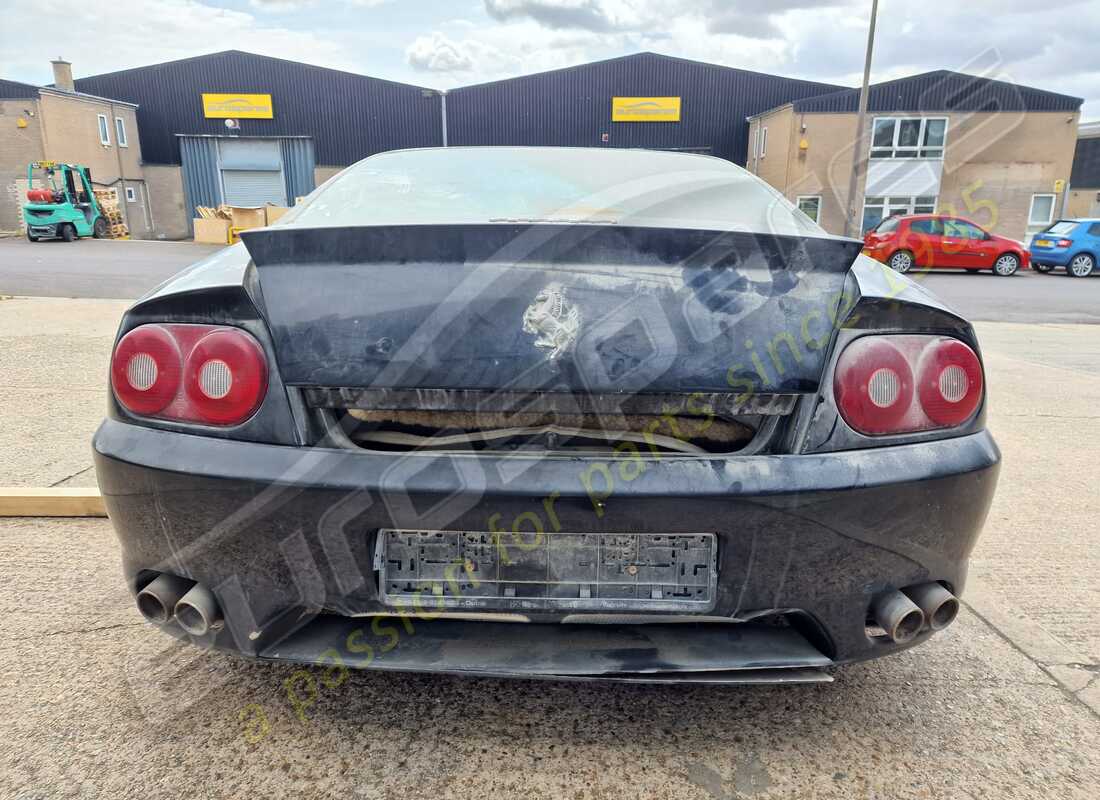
x=882, y=240
x=1066, y=238
x=623, y=448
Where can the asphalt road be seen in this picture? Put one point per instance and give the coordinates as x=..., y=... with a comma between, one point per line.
x=92, y=268
x=127, y=269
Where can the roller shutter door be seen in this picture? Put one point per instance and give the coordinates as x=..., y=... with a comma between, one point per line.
x=253, y=187
x=252, y=172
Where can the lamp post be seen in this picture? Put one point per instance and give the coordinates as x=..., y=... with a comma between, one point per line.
x=851, y=228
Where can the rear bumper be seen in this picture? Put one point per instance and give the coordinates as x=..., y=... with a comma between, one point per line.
x=43, y=231
x=1054, y=258
x=285, y=538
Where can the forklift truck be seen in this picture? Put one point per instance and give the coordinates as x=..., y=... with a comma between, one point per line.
x=64, y=205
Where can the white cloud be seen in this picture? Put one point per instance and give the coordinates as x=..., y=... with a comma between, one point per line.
x=281, y=6
x=287, y=6
x=103, y=37
x=590, y=15
x=472, y=41
x=437, y=53
x=819, y=40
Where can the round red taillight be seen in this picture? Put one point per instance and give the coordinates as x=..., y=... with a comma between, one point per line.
x=145, y=370
x=873, y=385
x=225, y=377
x=950, y=388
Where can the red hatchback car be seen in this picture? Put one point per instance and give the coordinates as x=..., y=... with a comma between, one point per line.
x=931, y=240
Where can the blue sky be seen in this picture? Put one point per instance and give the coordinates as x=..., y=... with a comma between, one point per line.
x=442, y=44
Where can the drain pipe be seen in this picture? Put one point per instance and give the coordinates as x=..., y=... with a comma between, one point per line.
x=443, y=111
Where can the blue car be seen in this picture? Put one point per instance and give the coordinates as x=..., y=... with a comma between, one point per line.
x=1070, y=243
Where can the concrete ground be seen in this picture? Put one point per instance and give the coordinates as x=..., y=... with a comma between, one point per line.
x=1005, y=703
x=102, y=268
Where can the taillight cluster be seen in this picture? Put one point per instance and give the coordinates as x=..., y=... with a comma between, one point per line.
x=209, y=374
x=903, y=384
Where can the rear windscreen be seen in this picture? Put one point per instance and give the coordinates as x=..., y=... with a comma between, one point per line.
x=479, y=185
x=1061, y=228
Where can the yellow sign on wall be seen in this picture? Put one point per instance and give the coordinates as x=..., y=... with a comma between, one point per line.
x=645, y=109
x=237, y=106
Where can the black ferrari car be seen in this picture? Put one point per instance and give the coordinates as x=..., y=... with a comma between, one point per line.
x=547, y=412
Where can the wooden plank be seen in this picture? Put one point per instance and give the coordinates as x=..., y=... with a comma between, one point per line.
x=21, y=501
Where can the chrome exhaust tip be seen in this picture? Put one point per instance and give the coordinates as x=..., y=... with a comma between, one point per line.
x=197, y=612
x=899, y=616
x=157, y=601
x=939, y=606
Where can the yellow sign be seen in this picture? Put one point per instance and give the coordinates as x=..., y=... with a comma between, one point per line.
x=645, y=109
x=237, y=106
x=1059, y=185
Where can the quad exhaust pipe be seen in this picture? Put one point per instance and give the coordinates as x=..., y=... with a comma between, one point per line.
x=197, y=612
x=157, y=601
x=939, y=606
x=899, y=616
x=191, y=604
x=905, y=613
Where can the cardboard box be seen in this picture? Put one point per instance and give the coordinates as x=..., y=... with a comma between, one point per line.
x=212, y=231
x=245, y=218
x=273, y=213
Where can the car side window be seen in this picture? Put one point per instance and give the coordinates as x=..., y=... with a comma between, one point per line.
x=962, y=230
x=929, y=227
x=1094, y=229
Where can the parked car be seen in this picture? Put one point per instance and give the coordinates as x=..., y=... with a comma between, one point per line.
x=1070, y=243
x=632, y=399
x=932, y=241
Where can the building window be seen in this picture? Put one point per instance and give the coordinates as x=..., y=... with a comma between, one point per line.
x=104, y=131
x=810, y=205
x=908, y=137
x=763, y=142
x=120, y=132
x=1042, y=210
x=131, y=195
x=876, y=209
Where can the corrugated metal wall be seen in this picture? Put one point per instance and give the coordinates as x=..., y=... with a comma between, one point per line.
x=942, y=91
x=349, y=116
x=14, y=90
x=298, y=164
x=353, y=116
x=202, y=163
x=201, y=181
x=572, y=107
x=1086, y=164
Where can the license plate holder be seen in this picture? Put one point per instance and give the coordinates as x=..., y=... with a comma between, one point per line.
x=610, y=572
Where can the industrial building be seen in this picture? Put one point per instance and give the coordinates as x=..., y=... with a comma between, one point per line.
x=945, y=142
x=298, y=124
x=59, y=123
x=245, y=129
x=294, y=125
x=1084, y=194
